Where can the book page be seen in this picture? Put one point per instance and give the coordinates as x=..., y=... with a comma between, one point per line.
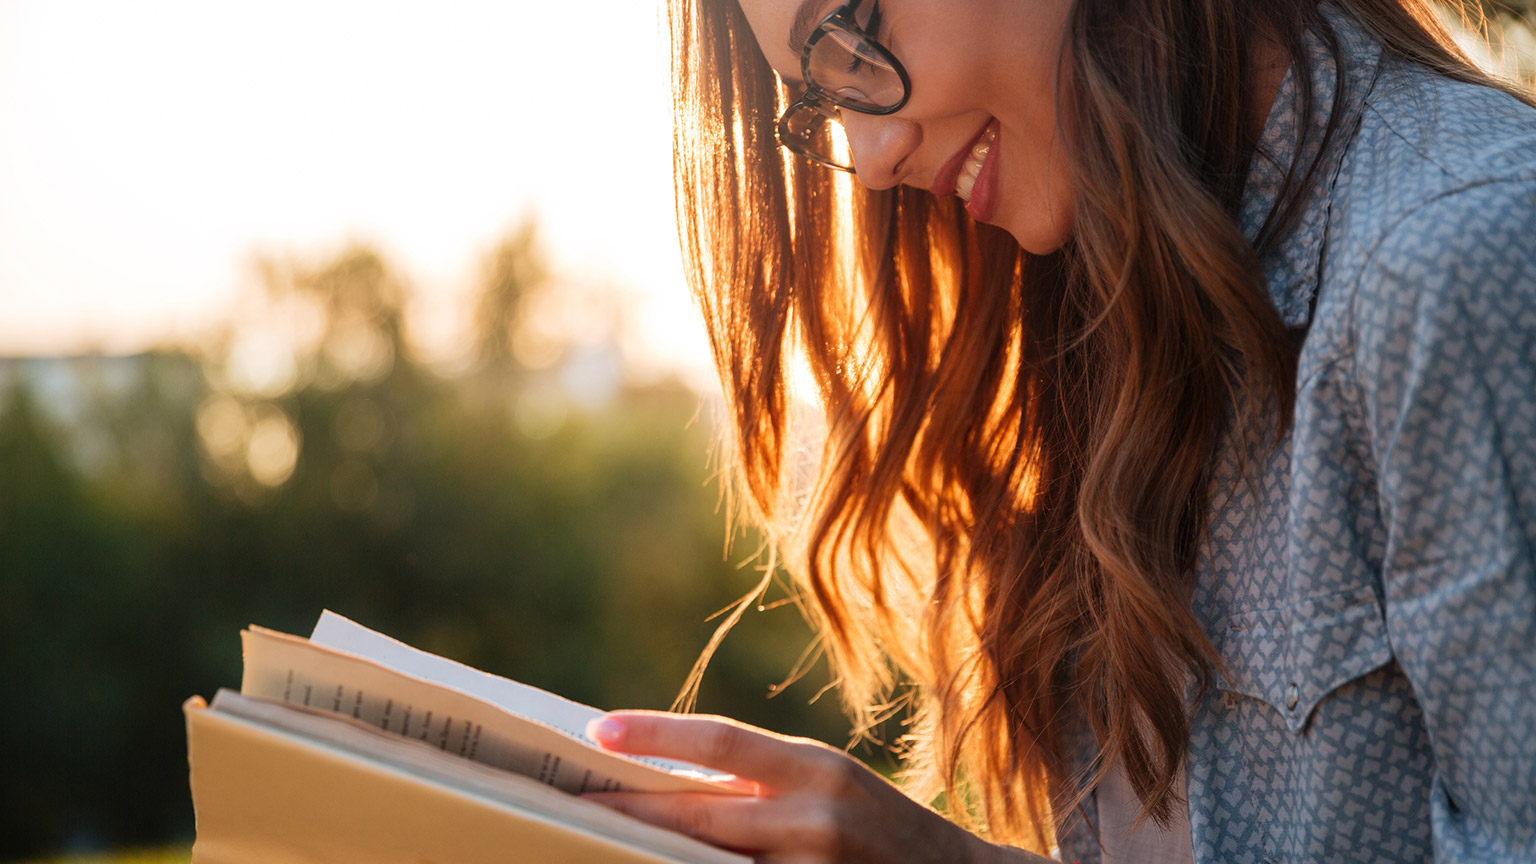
x=343, y=634
x=420, y=760
x=298, y=672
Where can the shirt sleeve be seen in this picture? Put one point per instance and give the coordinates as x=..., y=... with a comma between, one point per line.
x=1446, y=363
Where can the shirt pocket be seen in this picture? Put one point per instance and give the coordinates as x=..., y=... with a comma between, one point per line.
x=1292, y=657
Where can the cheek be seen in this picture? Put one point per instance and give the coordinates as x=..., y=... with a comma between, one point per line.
x=949, y=74
x=1039, y=164
x=1037, y=200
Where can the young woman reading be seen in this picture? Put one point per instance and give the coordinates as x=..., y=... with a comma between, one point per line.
x=1178, y=363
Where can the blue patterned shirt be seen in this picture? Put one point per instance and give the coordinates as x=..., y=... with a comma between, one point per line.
x=1372, y=589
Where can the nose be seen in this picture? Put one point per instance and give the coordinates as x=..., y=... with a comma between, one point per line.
x=880, y=147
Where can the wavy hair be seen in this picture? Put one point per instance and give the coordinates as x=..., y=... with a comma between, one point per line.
x=1006, y=506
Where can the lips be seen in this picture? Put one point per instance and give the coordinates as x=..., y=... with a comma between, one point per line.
x=966, y=183
x=971, y=174
x=982, y=203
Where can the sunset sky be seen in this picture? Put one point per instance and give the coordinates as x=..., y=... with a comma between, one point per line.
x=148, y=150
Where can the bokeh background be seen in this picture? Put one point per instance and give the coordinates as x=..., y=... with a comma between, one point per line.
x=368, y=306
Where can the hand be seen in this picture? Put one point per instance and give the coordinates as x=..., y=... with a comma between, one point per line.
x=813, y=804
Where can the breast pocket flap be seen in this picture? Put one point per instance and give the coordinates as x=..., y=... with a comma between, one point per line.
x=1292, y=657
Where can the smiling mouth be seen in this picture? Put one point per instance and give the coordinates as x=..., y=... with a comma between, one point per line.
x=966, y=182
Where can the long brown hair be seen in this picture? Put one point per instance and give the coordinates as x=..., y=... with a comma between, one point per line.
x=1007, y=503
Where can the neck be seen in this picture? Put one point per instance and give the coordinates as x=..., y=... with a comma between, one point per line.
x=1271, y=61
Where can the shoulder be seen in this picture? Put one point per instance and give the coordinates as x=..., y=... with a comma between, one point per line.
x=1423, y=135
x=1434, y=212
x=1429, y=273
x=1447, y=298
x=1470, y=241
x=1427, y=146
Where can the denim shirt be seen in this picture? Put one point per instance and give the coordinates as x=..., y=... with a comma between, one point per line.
x=1371, y=584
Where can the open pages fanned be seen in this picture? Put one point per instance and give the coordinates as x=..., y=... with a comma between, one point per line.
x=351, y=746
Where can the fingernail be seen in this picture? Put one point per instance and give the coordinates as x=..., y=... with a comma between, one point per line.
x=605, y=730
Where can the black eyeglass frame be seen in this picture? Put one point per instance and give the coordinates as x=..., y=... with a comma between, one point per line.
x=823, y=102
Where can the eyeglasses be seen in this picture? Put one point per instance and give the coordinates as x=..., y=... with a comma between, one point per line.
x=843, y=66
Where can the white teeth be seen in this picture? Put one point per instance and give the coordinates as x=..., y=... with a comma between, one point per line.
x=973, y=163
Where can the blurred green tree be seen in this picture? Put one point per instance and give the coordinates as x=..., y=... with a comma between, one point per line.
x=307, y=461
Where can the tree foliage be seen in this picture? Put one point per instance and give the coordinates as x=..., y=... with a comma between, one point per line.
x=186, y=497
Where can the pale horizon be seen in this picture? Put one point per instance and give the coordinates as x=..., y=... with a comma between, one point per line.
x=149, y=152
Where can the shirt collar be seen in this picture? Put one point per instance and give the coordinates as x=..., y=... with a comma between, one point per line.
x=1292, y=266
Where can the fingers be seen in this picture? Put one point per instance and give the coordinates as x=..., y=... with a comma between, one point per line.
x=817, y=805
x=714, y=742
x=723, y=820
x=801, y=829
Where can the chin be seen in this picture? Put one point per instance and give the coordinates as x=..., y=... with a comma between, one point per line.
x=1044, y=225
x=1040, y=239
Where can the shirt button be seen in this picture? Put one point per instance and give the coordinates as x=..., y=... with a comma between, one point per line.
x=1292, y=696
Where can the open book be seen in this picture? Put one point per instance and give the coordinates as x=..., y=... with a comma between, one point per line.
x=350, y=746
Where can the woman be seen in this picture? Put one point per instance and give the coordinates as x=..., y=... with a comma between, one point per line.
x=1179, y=367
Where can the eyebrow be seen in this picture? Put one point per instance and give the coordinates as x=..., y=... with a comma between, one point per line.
x=810, y=13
